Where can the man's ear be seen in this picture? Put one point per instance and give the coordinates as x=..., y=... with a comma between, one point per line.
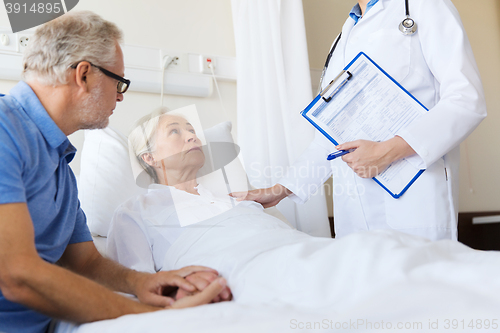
x=82, y=72
x=149, y=159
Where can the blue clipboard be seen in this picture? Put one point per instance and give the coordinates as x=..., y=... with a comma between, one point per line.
x=325, y=97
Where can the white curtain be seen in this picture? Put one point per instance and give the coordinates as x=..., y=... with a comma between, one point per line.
x=274, y=85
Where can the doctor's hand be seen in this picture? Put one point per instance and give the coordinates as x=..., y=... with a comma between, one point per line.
x=202, y=280
x=156, y=289
x=267, y=197
x=372, y=158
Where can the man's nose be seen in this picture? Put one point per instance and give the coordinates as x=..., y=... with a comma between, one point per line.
x=119, y=97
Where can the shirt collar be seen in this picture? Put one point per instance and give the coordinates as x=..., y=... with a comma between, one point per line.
x=161, y=187
x=69, y=152
x=30, y=103
x=355, y=13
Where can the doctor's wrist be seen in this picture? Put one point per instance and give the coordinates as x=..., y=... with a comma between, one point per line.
x=399, y=148
x=281, y=191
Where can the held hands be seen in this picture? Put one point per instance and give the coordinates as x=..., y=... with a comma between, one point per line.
x=267, y=197
x=201, y=280
x=371, y=158
x=152, y=287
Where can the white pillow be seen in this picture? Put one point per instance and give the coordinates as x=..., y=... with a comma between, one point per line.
x=107, y=180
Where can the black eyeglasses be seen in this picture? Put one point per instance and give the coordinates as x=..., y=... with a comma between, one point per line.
x=123, y=83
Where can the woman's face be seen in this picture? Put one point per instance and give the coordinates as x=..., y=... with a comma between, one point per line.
x=176, y=145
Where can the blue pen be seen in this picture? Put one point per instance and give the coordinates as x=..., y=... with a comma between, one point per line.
x=340, y=153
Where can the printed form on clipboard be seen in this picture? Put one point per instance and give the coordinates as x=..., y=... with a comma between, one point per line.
x=365, y=103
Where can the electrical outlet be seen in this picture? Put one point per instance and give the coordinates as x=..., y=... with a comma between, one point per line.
x=206, y=62
x=174, y=60
x=23, y=42
x=170, y=61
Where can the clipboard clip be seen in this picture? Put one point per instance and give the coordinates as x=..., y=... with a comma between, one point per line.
x=324, y=91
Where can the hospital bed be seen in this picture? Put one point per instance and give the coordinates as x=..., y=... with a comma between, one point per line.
x=372, y=281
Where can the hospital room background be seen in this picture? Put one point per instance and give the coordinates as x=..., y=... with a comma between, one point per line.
x=201, y=29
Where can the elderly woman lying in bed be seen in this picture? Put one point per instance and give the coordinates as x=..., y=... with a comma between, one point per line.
x=179, y=222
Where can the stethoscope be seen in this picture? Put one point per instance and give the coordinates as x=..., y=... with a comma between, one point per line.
x=407, y=27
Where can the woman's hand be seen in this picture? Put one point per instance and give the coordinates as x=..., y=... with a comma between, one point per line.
x=267, y=197
x=208, y=295
x=152, y=289
x=372, y=158
x=202, y=280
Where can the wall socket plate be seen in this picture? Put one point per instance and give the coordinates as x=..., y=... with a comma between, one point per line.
x=14, y=42
x=171, y=61
x=23, y=41
x=178, y=63
x=205, y=62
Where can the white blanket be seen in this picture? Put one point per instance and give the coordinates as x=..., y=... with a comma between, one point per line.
x=283, y=280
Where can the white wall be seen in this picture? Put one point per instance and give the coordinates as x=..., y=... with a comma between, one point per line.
x=324, y=20
x=482, y=23
x=186, y=26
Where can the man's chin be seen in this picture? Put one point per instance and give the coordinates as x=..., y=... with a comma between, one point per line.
x=100, y=125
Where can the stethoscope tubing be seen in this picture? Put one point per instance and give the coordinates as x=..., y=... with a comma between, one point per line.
x=405, y=31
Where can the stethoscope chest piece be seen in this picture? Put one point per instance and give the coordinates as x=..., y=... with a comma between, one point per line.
x=408, y=27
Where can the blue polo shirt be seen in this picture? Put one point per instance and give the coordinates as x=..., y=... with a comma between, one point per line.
x=355, y=13
x=34, y=157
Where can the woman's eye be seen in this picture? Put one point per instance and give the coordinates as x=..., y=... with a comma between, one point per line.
x=174, y=131
x=192, y=131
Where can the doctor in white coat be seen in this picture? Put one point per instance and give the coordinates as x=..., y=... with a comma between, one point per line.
x=437, y=66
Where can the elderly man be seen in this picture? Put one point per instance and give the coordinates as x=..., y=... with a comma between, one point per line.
x=49, y=267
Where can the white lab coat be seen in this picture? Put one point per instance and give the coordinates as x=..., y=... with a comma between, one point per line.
x=437, y=66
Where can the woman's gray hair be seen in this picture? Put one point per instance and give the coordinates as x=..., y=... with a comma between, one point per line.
x=67, y=40
x=142, y=138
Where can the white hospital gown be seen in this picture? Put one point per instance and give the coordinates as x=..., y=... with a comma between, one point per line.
x=144, y=227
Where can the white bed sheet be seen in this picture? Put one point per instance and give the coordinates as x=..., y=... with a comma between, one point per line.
x=281, y=278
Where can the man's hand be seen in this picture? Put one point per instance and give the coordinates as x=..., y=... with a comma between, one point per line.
x=202, y=280
x=267, y=197
x=371, y=158
x=152, y=288
x=202, y=297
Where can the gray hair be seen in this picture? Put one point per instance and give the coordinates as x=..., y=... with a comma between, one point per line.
x=142, y=139
x=63, y=42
